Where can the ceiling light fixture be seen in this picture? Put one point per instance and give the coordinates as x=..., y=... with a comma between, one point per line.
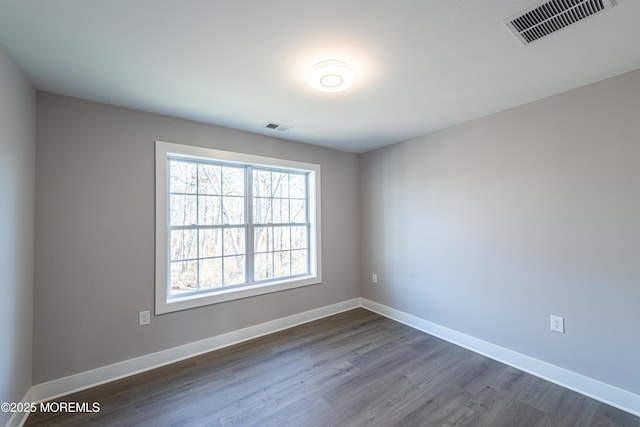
x=331, y=76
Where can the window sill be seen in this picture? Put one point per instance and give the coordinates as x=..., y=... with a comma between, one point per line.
x=169, y=305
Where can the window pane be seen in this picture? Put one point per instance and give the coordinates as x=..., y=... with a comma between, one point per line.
x=298, y=211
x=263, y=266
x=299, y=237
x=183, y=245
x=210, y=243
x=280, y=211
x=182, y=177
x=281, y=238
x=299, y=263
x=210, y=210
x=182, y=210
x=280, y=183
x=281, y=264
x=184, y=277
x=298, y=187
x=233, y=181
x=234, y=270
x=234, y=241
x=233, y=210
x=261, y=183
x=261, y=211
x=263, y=239
x=209, y=179
x=211, y=273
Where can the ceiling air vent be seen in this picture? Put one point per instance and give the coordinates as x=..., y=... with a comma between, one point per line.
x=550, y=16
x=277, y=126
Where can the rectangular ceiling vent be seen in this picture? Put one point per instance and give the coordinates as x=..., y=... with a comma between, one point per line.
x=277, y=126
x=550, y=16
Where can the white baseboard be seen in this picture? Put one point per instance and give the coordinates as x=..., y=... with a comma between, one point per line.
x=18, y=419
x=595, y=389
x=94, y=377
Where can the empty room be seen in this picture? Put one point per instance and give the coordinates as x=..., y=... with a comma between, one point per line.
x=348, y=213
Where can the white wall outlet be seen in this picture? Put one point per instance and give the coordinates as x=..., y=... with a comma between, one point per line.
x=144, y=318
x=374, y=278
x=557, y=324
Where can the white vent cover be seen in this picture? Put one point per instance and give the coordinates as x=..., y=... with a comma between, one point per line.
x=550, y=16
x=277, y=126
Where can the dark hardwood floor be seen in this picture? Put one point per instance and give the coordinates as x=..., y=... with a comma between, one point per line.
x=352, y=369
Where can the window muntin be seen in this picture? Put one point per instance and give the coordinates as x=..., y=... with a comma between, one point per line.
x=231, y=225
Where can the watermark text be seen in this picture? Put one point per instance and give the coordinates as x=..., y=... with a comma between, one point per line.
x=51, y=407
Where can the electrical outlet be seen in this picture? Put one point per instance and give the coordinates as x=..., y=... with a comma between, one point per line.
x=144, y=318
x=557, y=324
x=374, y=278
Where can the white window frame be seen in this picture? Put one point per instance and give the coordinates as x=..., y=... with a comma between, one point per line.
x=163, y=303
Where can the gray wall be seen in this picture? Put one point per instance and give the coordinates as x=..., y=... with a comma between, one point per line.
x=17, y=173
x=95, y=236
x=491, y=226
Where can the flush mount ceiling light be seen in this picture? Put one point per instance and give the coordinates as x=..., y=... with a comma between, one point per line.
x=331, y=76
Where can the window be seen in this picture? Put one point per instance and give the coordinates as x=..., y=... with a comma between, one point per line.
x=232, y=225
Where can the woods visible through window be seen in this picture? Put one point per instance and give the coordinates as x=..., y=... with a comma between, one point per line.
x=232, y=225
x=210, y=207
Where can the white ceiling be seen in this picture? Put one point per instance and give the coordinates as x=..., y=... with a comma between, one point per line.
x=421, y=65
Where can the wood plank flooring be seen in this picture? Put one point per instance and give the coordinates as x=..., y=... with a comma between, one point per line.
x=352, y=369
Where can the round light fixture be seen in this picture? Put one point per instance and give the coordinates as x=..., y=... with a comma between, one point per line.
x=331, y=76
